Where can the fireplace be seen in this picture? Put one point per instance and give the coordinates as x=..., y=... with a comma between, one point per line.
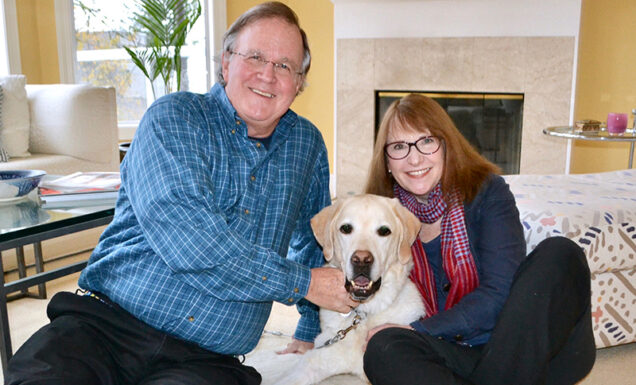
x=491, y=122
x=540, y=69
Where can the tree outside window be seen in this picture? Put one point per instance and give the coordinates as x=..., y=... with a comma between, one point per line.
x=102, y=29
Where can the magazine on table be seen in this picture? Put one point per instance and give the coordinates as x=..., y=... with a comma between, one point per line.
x=81, y=188
x=83, y=182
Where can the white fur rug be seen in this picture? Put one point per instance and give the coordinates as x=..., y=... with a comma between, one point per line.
x=283, y=321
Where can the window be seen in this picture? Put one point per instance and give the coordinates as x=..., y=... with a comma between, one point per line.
x=9, y=45
x=4, y=52
x=101, y=28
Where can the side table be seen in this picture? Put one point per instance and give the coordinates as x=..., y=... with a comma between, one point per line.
x=569, y=132
x=26, y=222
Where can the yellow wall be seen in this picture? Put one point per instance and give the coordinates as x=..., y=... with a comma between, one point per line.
x=606, y=78
x=316, y=103
x=38, y=41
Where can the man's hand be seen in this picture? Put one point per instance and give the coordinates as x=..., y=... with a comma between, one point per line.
x=327, y=290
x=297, y=347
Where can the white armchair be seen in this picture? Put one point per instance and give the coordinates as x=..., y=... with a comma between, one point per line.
x=73, y=128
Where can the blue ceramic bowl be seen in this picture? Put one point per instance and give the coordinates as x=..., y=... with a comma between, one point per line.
x=18, y=183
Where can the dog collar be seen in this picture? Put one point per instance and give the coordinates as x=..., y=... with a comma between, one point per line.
x=342, y=333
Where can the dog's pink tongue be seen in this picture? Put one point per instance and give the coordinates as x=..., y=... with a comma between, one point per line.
x=361, y=281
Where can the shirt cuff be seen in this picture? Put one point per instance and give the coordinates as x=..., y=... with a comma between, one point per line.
x=299, y=277
x=441, y=327
x=418, y=326
x=308, y=327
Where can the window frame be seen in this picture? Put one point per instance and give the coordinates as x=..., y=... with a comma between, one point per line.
x=9, y=42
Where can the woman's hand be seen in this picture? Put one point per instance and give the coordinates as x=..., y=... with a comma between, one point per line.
x=297, y=347
x=376, y=329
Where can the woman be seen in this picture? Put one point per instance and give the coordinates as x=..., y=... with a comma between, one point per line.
x=493, y=316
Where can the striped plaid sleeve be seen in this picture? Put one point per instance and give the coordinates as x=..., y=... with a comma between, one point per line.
x=307, y=251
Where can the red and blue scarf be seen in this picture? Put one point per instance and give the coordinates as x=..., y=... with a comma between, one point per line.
x=457, y=259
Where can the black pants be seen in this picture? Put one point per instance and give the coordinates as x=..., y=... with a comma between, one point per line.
x=543, y=334
x=93, y=342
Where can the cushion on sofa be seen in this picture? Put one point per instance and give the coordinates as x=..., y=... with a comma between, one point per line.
x=14, y=133
x=69, y=119
x=73, y=127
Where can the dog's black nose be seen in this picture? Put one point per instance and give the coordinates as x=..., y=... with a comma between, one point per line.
x=362, y=258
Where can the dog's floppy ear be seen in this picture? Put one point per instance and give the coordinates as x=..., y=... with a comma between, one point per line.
x=411, y=226
x=323, y=231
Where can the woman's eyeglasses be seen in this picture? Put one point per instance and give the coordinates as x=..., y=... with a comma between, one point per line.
x=426, y=145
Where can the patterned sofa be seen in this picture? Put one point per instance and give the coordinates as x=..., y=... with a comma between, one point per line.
x=598, y=211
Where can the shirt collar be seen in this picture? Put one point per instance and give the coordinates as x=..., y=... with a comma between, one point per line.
x=285, y=124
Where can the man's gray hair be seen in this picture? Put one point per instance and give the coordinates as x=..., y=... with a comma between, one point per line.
x=273, y=9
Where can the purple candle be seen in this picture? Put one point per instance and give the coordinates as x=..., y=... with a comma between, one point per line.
x=616, y=123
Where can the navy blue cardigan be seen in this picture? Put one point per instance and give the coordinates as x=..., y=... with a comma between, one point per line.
x=498, y=246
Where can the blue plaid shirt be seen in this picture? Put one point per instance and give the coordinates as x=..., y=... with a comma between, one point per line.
x=210, y=226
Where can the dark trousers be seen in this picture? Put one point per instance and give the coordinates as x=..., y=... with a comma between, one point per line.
x=543, y=334
x=89, y=341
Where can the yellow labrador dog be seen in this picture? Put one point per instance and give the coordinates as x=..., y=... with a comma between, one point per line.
x=369, y=237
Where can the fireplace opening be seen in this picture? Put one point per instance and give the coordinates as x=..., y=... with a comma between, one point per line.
x=491, y=122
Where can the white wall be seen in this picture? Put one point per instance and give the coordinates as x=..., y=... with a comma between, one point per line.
x=455, y=18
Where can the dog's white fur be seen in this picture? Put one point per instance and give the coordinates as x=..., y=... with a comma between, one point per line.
x=397, y=300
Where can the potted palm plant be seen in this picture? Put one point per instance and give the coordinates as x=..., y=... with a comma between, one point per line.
x=163, y=26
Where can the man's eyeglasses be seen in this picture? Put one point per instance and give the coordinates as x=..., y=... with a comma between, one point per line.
x=426, y=145
x=258, y=62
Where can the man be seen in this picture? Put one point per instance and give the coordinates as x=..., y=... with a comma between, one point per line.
x=215, y=190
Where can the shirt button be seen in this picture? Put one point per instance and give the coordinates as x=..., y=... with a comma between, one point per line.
x=264, y=278
x=238, y=122
x=233, y=131
x=296, y=290
x=258, y=144
x=252, y=178
x=247, y=211
x=290, y=300
x=191, y=319
x=459, y=338
x=446, y=287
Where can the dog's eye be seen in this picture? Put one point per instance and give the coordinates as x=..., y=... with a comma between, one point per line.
x=346, y=228
x=383, y=231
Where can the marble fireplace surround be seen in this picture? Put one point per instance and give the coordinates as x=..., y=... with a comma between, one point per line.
x=539, y=67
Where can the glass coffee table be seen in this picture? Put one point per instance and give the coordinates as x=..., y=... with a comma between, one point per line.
x=569, y=132
x=26, y=222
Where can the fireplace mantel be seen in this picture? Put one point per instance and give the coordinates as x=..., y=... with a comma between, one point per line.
x=539, y=67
